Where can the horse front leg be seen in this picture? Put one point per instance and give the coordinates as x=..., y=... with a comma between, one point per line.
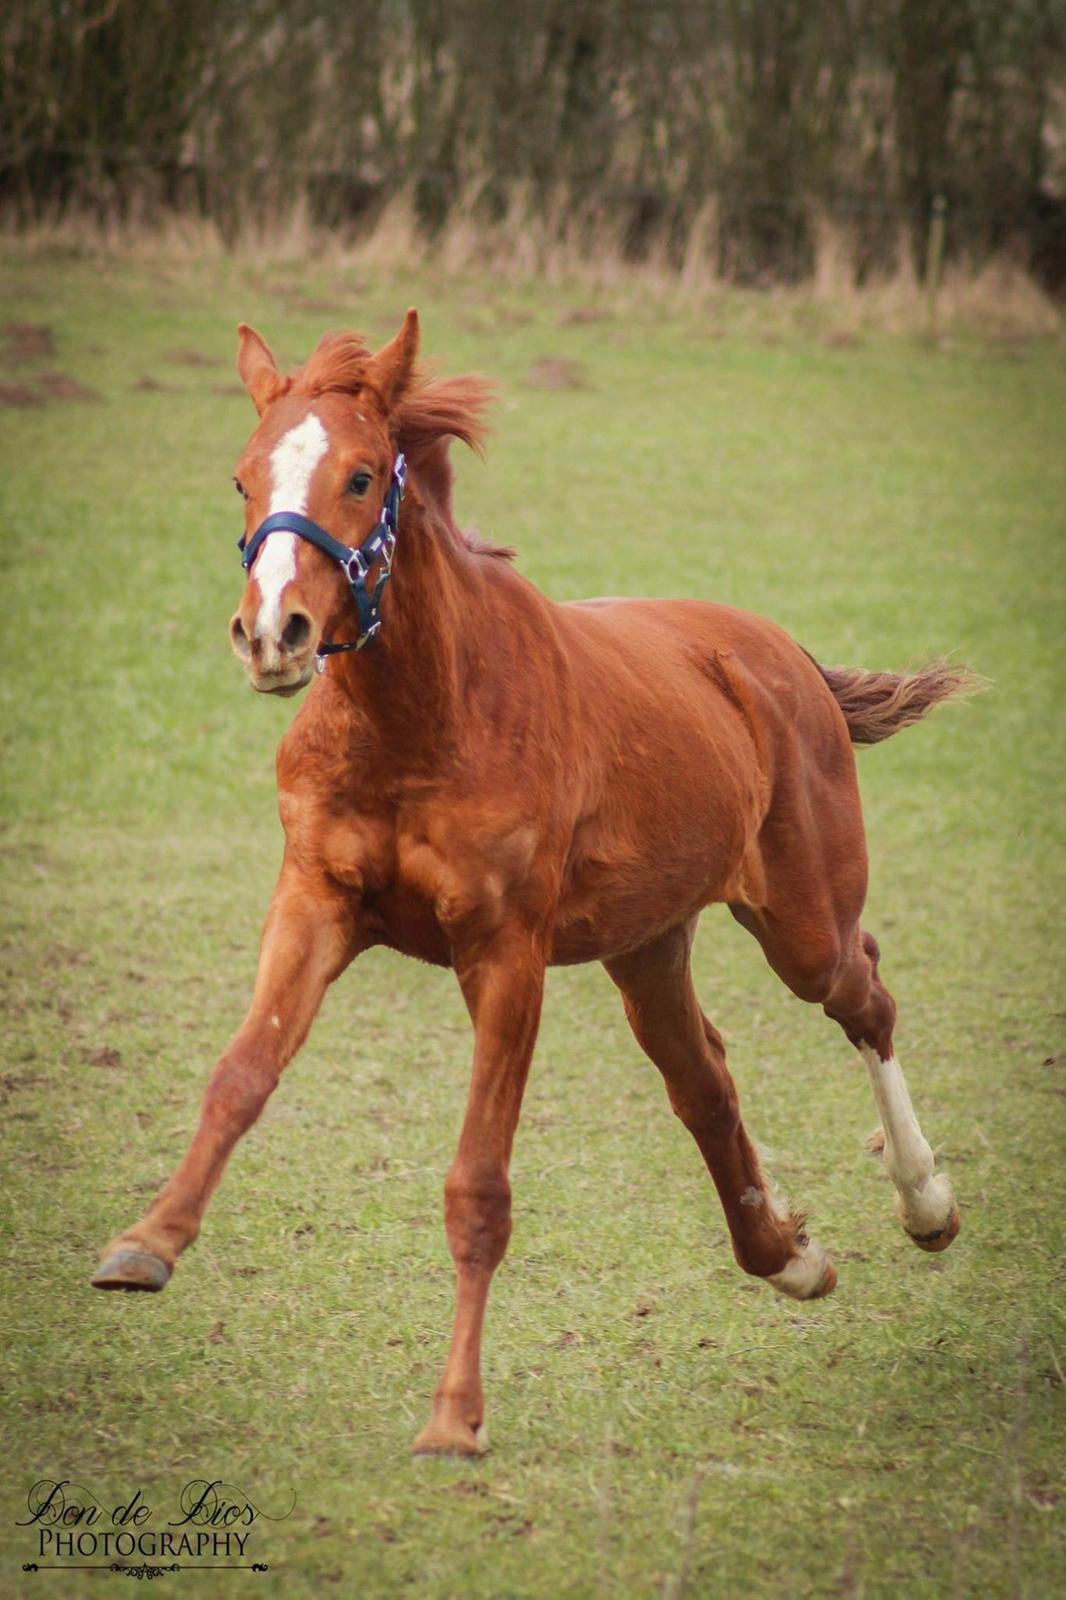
x=310, y=937
x=503, y=987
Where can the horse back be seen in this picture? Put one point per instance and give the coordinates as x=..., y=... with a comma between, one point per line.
x=695, y=667
x=700, y=724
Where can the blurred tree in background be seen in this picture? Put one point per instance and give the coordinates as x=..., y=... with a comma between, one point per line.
x=723, y=133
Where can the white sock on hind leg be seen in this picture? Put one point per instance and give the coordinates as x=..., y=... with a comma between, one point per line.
x=926, y=1201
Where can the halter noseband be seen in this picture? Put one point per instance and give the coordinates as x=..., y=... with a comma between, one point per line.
x=354, y=563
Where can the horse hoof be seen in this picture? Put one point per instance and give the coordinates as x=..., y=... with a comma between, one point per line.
x=828, y=1281
x=457, y=1439
x=942, y=1237
x=810, y=1275
x=132, y=1269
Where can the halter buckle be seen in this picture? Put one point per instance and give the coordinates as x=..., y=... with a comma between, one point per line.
x=357, y=560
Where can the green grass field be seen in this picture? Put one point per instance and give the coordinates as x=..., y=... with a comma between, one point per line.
x=662, y=1426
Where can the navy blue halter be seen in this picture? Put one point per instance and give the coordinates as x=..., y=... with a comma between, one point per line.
x=355, y=564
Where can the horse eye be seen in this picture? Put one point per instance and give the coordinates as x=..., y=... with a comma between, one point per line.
x=239, y=486
x=359, y=483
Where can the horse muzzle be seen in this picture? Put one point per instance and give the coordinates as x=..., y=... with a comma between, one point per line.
x=284, y=665
x=268, y=684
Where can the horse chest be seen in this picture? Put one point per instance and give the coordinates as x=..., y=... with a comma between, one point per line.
x=418, y=890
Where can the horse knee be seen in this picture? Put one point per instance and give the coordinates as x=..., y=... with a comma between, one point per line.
x=237, y=1091
x=477, y=1215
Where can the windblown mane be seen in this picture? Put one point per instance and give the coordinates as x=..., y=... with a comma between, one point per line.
x=338, y=364
x=432, y=412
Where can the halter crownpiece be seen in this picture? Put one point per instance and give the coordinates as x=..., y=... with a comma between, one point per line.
x=354, y=563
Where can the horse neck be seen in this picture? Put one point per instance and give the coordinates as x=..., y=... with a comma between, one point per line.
x=409, y=681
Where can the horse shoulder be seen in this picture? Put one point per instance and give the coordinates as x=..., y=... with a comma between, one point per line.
x=335, y=828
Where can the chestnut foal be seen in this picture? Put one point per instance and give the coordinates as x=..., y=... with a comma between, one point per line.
x=497, y=782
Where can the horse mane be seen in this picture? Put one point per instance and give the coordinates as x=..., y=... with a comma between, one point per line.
x=431, y=413
x=336, y=365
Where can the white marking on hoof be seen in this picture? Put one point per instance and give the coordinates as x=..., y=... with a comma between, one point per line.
x=927, y=1211
x=808, y=1275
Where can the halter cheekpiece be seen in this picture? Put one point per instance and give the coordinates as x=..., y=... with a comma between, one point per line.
x=354, y=563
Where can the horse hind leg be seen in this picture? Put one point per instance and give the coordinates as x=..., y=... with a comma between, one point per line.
x=863, y=1007
x=665, y=1016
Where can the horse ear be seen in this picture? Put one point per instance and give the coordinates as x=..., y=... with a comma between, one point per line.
x=391, y=370
x=257, y=367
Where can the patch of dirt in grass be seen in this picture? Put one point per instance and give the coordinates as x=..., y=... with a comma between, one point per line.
x=103, y=1055
x=192, y=358
x=150, y=385
x=840, y=339
x=581, y=316
x=230, y=390
x=67, y=955
x=61, y=386
x=557, y=372
x=18, y=395
x=27, y=341
x=12, y=1082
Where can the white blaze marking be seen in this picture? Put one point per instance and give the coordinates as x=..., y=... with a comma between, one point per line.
x=292, y=464
x=925, y=1198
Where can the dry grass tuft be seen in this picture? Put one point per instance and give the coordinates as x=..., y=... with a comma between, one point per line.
x=998, y=299
x=544, y=241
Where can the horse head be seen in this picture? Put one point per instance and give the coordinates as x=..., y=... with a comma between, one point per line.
x=325, y=457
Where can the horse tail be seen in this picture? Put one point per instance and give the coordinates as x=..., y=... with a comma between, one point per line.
x=878, y=704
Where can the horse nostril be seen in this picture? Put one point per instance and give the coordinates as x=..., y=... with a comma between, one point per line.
x=296, y=631
x=239, y=639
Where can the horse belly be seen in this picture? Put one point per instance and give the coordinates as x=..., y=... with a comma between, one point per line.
x=626, y=884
